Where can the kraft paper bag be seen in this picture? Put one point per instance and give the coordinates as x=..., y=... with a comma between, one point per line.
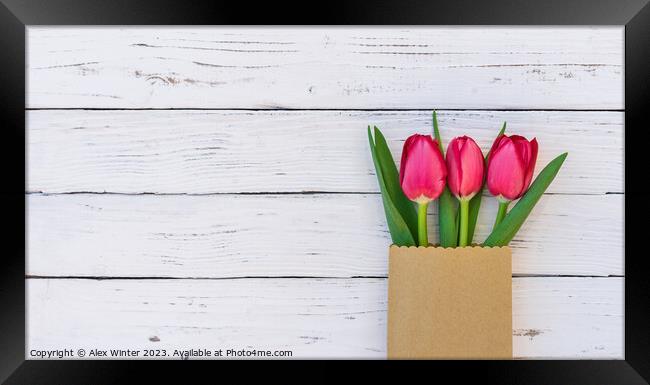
x=450, y=303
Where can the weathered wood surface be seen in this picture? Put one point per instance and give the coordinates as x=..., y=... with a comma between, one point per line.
x=341, y=68
x=552, y=317
x=321, y=235
x=158, y=193
x=279, y=151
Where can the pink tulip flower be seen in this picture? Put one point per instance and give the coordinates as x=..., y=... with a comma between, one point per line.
x=510, y=166
x=422, y=170
x=422, y=176
x=465, y=166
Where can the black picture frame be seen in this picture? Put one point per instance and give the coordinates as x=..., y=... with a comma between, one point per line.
x=15, y=15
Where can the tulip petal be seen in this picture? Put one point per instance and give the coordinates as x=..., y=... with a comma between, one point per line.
x=497, y=142
x=454, y=169
x=471, y=168
x=527, y=151
x=522, y=150
x=532, y=159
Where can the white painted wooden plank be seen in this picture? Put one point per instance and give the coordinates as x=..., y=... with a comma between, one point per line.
x=243, y=151
x=289, y=235
x=552, y=317
x=432, y=67
x=585, y=317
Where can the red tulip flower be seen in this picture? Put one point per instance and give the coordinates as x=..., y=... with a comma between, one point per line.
x=510, y=169
x=465, y=164
x=422, y=170
x=510, y=166
x=422, y=176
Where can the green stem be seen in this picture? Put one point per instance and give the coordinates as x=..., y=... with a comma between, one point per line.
x=422, y=224
x=464, y=221
x=503, y=209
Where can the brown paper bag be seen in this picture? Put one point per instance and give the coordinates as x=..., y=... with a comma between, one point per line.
x=450, y=303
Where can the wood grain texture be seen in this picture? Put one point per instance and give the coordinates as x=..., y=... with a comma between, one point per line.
x=433, y=67
x=168, y=188
x=322, y=235
x=552, y=317
x=287, y=151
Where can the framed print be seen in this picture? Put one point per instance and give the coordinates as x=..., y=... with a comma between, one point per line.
x=455, y=183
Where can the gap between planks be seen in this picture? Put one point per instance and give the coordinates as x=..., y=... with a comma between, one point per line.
x=145, y=278
x=149, y=193
x=321, y=109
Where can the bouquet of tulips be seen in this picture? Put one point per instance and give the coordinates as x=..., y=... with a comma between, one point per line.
x=457, y=179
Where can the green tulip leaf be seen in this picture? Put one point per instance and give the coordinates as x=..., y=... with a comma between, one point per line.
x=447, y=219
x=507, y=229
x=400, y=232
x=391, y=180
x=447, y=204
x=475, y=202
x=436, y=132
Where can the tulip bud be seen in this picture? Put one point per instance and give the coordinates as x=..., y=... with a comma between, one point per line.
x=422, y=170
x=465, y=166
x=510, y=166
x=422, y=176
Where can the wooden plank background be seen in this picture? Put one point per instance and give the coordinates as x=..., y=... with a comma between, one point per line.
x=212, y=187
x=333, y=68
